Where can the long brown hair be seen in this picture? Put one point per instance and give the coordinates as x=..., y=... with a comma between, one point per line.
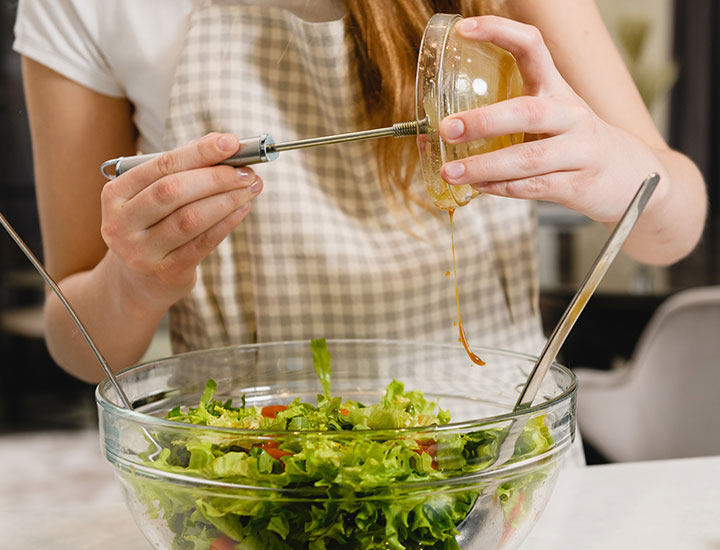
x=387, y=36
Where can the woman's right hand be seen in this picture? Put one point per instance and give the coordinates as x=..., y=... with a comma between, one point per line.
x=160, y=219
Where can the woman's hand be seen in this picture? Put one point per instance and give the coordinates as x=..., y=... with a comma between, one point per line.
x=576, y=159
x=161, y=218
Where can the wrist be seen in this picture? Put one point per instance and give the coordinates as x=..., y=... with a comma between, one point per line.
x=136, y=295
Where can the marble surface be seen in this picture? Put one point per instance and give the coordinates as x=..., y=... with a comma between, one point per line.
x=57, y=492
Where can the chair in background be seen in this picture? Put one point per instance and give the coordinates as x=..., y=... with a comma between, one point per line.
x=663, y=403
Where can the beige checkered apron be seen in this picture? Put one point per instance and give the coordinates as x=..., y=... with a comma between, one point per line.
x=320, y=254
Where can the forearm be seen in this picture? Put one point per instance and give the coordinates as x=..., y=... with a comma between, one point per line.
x=673, y=220
x=119, y=322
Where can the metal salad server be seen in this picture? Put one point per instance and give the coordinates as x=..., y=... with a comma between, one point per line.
x=592, y=279
x=586, y=290
x=259, y=149
x=56, y=289
x=483, y=526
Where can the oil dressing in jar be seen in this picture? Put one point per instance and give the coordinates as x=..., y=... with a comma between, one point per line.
x=456, y=74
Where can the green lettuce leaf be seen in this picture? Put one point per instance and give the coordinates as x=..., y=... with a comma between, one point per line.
x=343, y=467
x=322, y=363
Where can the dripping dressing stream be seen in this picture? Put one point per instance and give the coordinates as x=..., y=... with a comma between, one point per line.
x=463, y=339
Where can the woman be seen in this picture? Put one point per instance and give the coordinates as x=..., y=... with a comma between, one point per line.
x=321, y=252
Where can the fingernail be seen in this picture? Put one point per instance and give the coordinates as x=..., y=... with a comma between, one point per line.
x=226, y=143
x=244, y=174
x=453, y=128
x=455, y=170
x=244, y=208
x=256, y=186
x=466, y=25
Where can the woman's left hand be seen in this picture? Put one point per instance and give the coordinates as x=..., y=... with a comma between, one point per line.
x=577, y=159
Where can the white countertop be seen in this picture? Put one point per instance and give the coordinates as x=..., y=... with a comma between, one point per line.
x=58, y=493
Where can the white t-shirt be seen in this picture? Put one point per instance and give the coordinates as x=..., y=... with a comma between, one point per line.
x=126, y=48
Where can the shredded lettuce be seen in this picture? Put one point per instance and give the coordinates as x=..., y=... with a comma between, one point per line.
x=321, y=361
x=344, y=469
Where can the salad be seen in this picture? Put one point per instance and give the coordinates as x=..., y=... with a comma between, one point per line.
x=358, y=485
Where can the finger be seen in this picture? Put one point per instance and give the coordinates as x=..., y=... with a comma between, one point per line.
x=517, y=161
x=168, y=194
x=523, y=41
x=555, y=187
x=194, y=219
x=191, y=253
x=526, y=114
x=208, y=151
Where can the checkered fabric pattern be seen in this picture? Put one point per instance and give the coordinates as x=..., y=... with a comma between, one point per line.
x=320, y=254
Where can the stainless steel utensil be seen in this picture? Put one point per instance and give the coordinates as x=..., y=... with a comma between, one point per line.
x=487, y=508
x=259, y=149
x=587, y=288
x=56, y=289
x=567, y=321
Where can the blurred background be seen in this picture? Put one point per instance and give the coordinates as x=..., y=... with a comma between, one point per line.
x=671, y=48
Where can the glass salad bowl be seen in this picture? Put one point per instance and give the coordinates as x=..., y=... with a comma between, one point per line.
x=456, y=74
x=396, y=447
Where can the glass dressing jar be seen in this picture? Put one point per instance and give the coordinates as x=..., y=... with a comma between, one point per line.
x=456, y=74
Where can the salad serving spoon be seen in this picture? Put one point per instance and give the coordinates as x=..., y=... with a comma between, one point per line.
x=587, y=288
x=483, y=526
x=125, y=401
x=56, y=289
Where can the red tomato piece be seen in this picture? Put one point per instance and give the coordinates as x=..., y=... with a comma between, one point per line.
x=222, y=543
x=271, y=410
x=277, y=454
x=428, y=446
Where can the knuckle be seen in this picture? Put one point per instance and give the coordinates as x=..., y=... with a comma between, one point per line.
x=111, y=231
x=532, y=156
x=166, y=190
x=167, y=163
x=534, y=36
x=536, y=186
x=222, y=176
x=188, y=221
x=533, y=112
x=482, y=122
x=108, y=193
x=108, y=232
x=203, y=243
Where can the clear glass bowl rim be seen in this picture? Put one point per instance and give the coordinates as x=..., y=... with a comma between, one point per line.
x=139, y=417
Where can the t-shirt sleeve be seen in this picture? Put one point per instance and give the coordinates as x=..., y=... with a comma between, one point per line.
x=64, y=35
